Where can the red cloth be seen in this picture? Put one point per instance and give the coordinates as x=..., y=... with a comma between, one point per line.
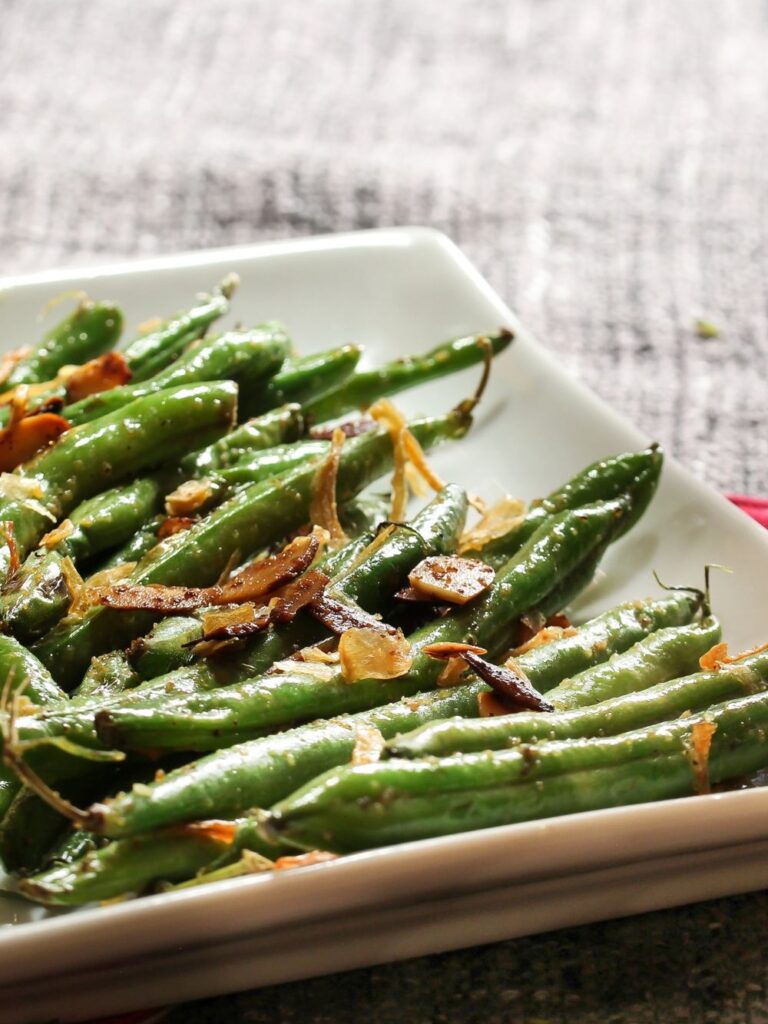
x=755, y=507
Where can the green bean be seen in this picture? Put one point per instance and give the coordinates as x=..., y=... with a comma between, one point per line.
x=38, y=595
x=664, y=654
x=256, y=516
x=662, y=702
x=262, y=771
x=302, y=379
x=280, y=425
x=72, y=847
x=168, y=645
x=93, y=328
x=152, y=352
x=243, y=356
x=109, y=674
x=365, y=386
x=635, y=473
x=396, y=801
x=249, y=709
x=142, y=542
x=143, y=434
x=27, y=832
x=128, y=866
x=20, y=665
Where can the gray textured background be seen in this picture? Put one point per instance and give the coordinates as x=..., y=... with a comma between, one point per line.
x=605, y=163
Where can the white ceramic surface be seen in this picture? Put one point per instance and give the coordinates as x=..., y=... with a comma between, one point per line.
x=395, y=291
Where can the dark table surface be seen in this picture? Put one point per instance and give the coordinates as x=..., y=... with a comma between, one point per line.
x=605, y=164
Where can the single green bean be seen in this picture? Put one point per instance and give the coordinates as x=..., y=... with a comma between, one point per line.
x=93, y=328
x=152, y=352
x=302, y=379
x=278, y=426
x=365, y=386
x=243, y=356
x=395, y=801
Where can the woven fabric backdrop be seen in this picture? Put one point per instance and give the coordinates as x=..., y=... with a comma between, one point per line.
x=604, y=162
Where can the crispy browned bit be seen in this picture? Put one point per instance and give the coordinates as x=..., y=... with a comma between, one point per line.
x=285, y=604
x=265, y=576
x=446, y=649
x=323, y=509
x=304, y=860
x=368, y=654
x=59, y=533
x=175, y=524
x=7, y=531
x=698, y=754
x=542, y=637
x=223, y=831
x=350, y=428
x=339, y=617
x=252, y=583
x=25, y=436
x=188, y=497
x=451, y=578
x=100, y=374
x=510, y=687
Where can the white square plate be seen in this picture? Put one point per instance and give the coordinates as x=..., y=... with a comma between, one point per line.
x=398, y=291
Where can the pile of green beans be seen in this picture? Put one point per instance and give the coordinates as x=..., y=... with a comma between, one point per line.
x=135, y=756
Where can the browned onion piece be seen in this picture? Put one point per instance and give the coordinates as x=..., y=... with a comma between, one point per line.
x=173, y=525
x=339, y=617
x=445, y=649
x=513, y=690
x=295, y=595
x=253, y=582
x=368, y=654
x=100, y=374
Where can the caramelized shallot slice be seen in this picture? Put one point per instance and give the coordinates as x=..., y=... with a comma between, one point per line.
x=497, y=521
x=339, y=617
x=450, y=578
x=368, y=654
x=323, y=510
x=510, y=687
x=100, y=374
x=369, y=744
x=254, y=582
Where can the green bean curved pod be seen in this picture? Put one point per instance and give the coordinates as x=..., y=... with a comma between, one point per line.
x=142, y=542
x=111, y=518
x=664, y=654
x=84, y=460
x=302, y=379
x=251, y=519
x=152, y=352
x=365, y=386
x=35, y=597
x=93, y=328
x=260, y=772
x=278, y=426
x=396, y=801
x=243, y=356
x=614, y=631
x=633, y=473
x=663, y=702
x=23, y=666
x=107, y=675
x=126, y=867
x=257, y=706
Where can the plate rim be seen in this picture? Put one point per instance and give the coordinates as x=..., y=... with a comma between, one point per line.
x=56, y=929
